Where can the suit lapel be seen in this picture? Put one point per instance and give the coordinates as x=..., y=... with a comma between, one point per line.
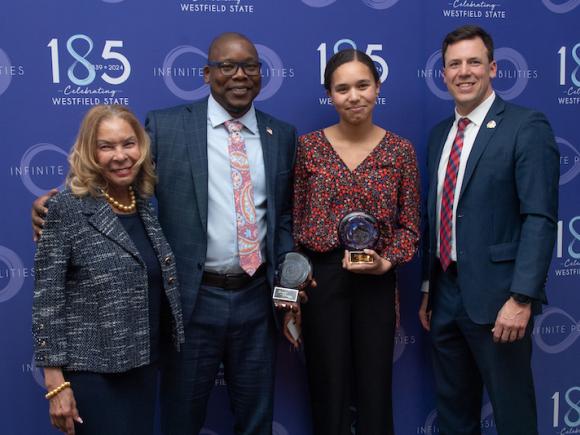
x=104, y=220
x=150, y=225
x=436, y=160
x=269, y=141
x=269, y=148
x=195, y=126
x=483, y=137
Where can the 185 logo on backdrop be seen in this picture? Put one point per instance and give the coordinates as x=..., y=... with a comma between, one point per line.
x=372, y=50
x=569, y=74
x=92, y=74
x=566, y=411
x=568, y=248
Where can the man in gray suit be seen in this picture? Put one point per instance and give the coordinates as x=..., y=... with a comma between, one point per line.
x=224, y=193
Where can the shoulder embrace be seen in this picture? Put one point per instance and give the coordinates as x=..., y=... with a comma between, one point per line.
x=63, y=200
x=168, y=111
x=65, y=208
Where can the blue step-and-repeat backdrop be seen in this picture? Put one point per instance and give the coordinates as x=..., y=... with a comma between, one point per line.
x=57, y=58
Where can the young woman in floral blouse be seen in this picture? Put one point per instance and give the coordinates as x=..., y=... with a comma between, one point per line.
x=348, y=323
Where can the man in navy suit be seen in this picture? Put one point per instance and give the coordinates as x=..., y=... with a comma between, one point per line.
x=492, y=207
x=227, y=310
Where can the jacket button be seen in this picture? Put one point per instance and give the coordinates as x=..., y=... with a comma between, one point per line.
x=42, y=343
x=171, y=280
x=199, y=266
x=167, y=260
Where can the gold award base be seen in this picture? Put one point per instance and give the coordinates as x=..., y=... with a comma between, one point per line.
x=361, y=257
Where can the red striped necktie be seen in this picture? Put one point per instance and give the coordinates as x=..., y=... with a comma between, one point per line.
x=448, y=196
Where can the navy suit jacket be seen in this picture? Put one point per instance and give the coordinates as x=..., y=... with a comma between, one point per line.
x=179, y=145
x=506, y=216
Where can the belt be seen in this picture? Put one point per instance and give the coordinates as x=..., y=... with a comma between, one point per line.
x=231, y=281
x=452, y=269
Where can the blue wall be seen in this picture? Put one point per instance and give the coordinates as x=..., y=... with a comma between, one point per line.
x=58, y=58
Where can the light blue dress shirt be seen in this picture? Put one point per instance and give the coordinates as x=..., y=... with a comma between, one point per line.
x=222, y=244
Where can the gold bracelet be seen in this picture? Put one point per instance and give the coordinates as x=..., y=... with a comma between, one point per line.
x=57, y=390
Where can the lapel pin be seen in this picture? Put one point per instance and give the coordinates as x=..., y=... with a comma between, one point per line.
x=491, y=124
x=269, y=130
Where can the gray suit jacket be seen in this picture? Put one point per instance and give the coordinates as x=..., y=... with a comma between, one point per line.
x=90, y=297
x=179, y=144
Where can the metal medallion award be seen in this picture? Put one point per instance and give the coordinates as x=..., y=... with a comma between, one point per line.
x=294, y=274
x=358, y=231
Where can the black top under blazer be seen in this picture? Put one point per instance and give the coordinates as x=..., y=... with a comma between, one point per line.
x=90, y=309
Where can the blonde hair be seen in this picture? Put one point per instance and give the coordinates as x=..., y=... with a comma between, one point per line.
x=85, y=175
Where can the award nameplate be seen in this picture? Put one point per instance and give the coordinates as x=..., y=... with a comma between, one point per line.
x=294, y=274
x=358, y=231
x=285, y=294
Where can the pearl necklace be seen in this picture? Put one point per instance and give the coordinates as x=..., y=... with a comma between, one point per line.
x=116, y=204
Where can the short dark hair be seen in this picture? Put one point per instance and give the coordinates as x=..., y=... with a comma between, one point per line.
x=226, y=37
x=345, y=56
x=468, y=32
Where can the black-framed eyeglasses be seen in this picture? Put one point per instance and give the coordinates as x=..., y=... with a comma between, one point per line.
x=231, y=68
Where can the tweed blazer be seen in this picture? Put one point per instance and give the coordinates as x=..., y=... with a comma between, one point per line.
x=90, y=308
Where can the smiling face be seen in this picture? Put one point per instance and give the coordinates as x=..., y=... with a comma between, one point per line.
x=234, y=93
x=117, y=151
x=354, y=91
x=468, y=73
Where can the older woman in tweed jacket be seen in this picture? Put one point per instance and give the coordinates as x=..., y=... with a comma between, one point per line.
x=106, y=296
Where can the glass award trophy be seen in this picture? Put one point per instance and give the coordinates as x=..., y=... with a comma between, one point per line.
x=358, y=231
x=294, y=274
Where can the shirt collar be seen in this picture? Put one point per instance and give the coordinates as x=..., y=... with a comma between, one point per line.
x=217, y=115
x=477, y=115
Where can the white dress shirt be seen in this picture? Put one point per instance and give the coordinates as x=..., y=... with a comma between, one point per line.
x=476, y=117
x=222, y=240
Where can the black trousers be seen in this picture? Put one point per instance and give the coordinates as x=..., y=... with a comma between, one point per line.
x=348, y=327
